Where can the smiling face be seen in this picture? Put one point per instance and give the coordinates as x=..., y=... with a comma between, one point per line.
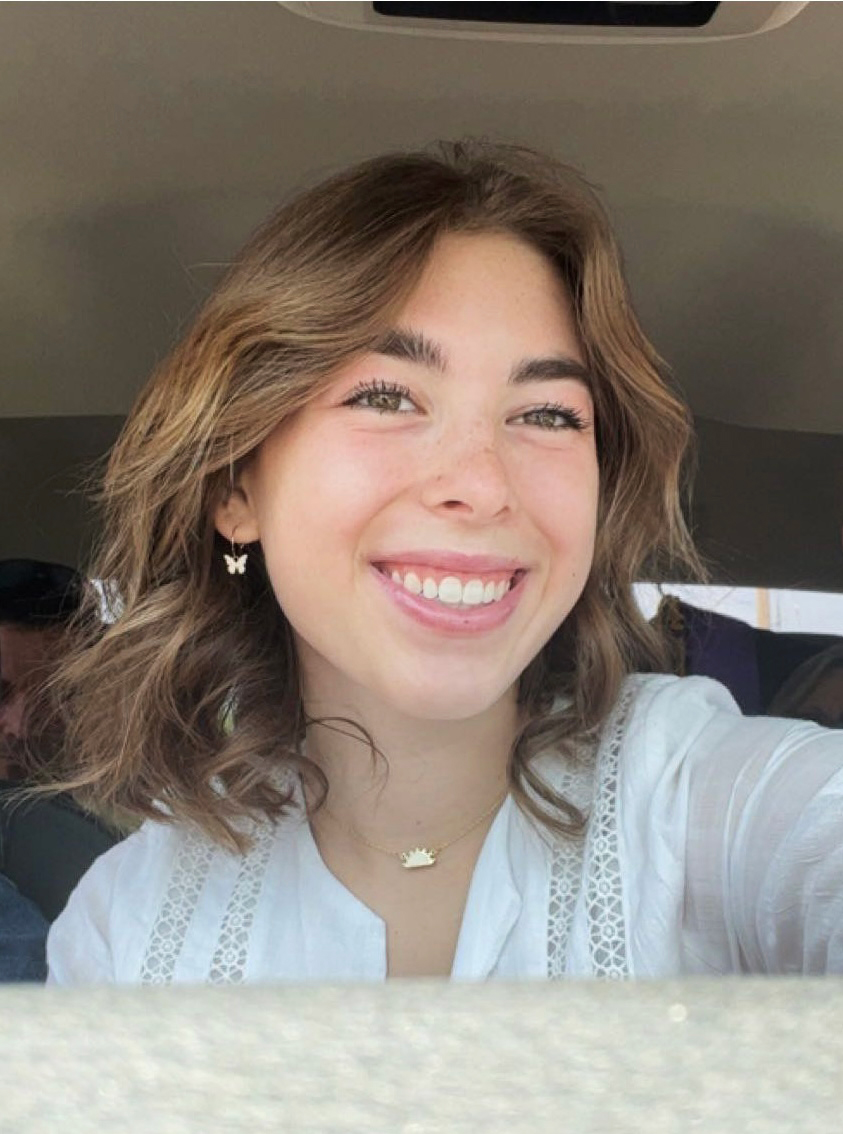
x=428, y=520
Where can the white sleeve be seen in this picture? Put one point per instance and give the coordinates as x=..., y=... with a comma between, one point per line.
x=78, y=945
x=738, y=822
x=102, y=933
x=782, y=867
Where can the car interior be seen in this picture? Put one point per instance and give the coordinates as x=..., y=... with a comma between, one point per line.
x=140, y=144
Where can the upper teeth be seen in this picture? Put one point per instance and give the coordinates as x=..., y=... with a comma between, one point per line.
x=452, y=590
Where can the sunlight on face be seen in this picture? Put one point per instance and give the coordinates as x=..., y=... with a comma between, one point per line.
x=429, y=520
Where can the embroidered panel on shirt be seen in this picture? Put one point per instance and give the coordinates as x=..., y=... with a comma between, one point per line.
x=166, y=939
x=604, y=888
x=565, y=883
x=566, y=865
x=228, y=965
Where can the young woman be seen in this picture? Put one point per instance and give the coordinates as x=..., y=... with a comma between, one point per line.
x=372, y=531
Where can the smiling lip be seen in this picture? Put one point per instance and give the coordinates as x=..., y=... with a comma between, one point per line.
x=455, y=561
x=459, y=621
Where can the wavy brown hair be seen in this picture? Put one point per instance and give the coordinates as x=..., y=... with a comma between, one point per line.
x=190, y=698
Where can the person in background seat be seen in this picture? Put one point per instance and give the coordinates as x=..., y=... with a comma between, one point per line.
x=23, y=934
x=45, y=844
x=37, y=601
x=814, y=691
x=771, y=672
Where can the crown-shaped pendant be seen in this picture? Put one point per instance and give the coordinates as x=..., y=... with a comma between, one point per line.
x=418, y=856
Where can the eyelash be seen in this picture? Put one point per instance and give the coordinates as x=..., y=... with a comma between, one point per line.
x=572, y=419
x=354, y=400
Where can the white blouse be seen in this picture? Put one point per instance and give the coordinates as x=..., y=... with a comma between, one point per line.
x=714, y=845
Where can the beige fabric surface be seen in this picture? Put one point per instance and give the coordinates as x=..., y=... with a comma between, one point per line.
x=761, y=1056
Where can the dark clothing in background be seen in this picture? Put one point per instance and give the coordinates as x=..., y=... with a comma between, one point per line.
x=47, y=844
x=23, y=937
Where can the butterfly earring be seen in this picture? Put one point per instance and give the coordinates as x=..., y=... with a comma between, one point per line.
x=235, y=564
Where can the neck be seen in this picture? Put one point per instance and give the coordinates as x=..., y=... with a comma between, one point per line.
x=436, y=776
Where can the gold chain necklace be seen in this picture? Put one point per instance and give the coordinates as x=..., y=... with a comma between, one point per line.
x=418, y=856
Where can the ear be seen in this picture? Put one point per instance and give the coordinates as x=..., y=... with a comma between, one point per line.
x=234, y=518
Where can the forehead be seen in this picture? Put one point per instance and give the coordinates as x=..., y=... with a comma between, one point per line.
x=456, y=255
x=494, y=277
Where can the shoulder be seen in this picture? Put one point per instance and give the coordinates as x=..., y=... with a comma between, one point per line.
x=693, y=715
x=111, y=910
x=675, y=736
x=663, y=700
x=655, y=716
x=144, y=854
x=151, y=909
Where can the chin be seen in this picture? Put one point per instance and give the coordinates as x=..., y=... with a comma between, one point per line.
x=440, y=701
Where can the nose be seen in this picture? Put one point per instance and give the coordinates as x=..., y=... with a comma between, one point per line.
x=468, y=475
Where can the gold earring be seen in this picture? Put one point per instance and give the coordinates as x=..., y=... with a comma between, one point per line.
x=235, y=563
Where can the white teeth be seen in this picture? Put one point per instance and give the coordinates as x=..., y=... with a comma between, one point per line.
x=472, y=592
x=450, y=590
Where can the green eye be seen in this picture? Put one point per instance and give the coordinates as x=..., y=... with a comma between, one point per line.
x=546, y=419
x=384, y=401
x=554, y=417
x=382, y=397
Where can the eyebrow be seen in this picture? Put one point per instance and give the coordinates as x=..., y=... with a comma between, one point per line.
x=548, y=369
x=412, y=346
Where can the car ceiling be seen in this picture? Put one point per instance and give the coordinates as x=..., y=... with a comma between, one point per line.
x=140, y=143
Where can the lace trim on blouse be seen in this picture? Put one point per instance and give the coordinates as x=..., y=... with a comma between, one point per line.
x=229, y=962
x=170, y=928
x=592, y=861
